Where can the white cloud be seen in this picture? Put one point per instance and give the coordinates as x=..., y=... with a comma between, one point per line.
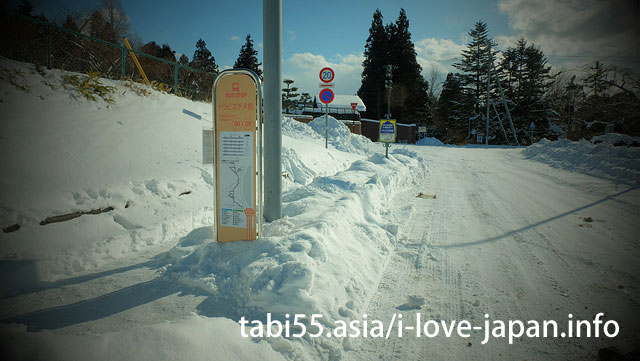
x=575, y=32
x=304, y=68
x=438, y=54
x=235, y=37
x=292, y=35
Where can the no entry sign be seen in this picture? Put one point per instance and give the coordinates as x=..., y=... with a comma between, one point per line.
x=326, y=96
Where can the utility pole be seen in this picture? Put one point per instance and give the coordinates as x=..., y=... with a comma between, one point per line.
x=486, y=134
x=272, y=33
x=389, y=84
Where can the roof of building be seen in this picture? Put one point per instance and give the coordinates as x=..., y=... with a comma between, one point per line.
x=344, y=102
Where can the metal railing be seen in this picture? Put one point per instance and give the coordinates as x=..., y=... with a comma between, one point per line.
x=73, y=52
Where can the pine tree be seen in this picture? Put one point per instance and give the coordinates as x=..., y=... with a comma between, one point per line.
x=70, y=24
x=410, y=91
x=474, y=68
x=372, y=87
x=248, y=58
x=25, y=8
x=454, y=108
x=202, y=83
x=289, y=96
x=202, y=58
x=156, y=70
x=596, y=80
x=525, y=78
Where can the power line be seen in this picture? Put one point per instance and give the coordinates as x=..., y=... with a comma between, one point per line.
x=605, y=57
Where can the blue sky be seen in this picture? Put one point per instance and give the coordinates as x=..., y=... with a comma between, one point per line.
x=329, y=32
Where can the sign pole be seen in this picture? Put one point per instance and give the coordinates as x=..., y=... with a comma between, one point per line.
x=326, y=126
x=386, y=145
x=272, y=30
x=326, y=96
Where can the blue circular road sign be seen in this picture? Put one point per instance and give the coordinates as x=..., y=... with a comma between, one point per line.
x=326, y=96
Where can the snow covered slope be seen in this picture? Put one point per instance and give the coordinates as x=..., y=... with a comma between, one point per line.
x=621, y=164
x=136, y=163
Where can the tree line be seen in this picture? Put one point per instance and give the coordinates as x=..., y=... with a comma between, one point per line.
x=27, y=41
x=555, y=104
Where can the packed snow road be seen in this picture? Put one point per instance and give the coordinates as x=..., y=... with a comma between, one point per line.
x=515, y=239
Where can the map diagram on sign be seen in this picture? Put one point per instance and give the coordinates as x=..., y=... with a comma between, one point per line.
x=236, y=177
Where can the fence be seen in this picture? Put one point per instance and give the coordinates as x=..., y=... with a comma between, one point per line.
x=36, y=41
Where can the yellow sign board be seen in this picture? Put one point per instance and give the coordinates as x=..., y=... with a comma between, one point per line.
x=387, y=131
x=237, y=144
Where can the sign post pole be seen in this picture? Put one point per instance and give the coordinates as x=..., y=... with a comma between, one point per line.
x=326, y=96
x=326, y=126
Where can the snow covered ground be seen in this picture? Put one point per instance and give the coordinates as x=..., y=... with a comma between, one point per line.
x=449, y=233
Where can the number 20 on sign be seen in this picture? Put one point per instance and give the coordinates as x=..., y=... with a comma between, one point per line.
x=326, y=75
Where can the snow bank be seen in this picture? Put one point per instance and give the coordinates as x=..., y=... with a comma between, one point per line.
x=195, y=338
x=604, y=160
x=324, y=256
x=139, y=159
x=305, y=157
x=63, y=154
x=429, y=141
x=616, y=139
x=339, y=135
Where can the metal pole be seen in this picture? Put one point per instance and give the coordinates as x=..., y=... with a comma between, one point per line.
x=389, y=105
x=486, y=134
x=504, y=132
x=123, y=66
x=48, y=35
x=326, y=126
x=504, y=101
x=176, y=68
x=272, y=33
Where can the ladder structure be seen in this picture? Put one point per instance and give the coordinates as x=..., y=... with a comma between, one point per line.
x=491, y=67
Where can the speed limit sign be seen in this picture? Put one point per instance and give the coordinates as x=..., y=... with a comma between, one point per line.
x=326, y=75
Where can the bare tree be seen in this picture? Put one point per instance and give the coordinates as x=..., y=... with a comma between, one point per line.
x=435, y=82
x=116, y=22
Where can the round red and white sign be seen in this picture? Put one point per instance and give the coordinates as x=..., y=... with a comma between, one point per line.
x=326, y=96
x=326, y=75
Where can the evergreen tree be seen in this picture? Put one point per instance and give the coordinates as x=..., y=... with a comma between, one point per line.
x=184, y=60
x=596, y=80
x=386, y=46
x=305, y=100
x=25, y=8
x=454, y=108
x=372, y=88
x=248, y=58
x=525, y=75
x=70, y=24
x=409, y=94
x=203, y=59
x=289, y=96
x=156, y=70
x=474, y=68
x=200, y=84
